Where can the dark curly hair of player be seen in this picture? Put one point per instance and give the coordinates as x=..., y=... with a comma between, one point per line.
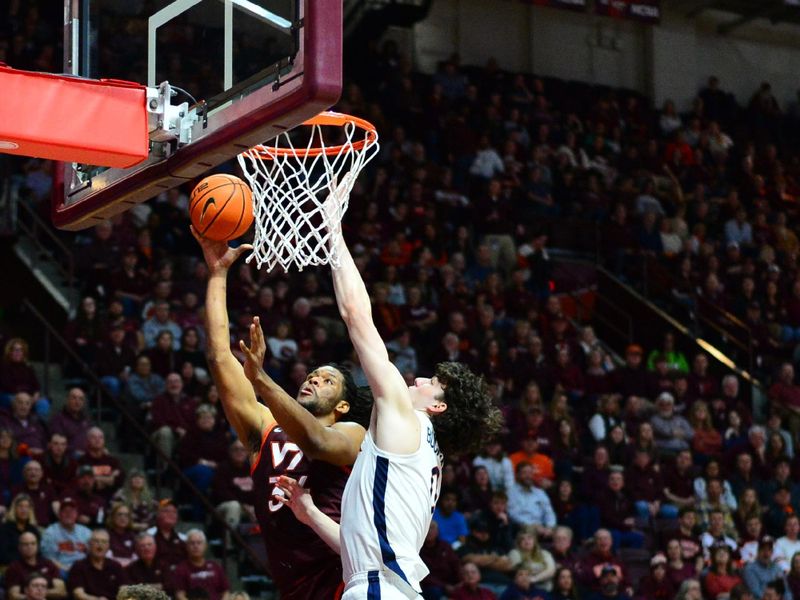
x=471, y=417
x=358, y=397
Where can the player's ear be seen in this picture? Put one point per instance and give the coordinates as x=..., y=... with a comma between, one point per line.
x=437, y=407
x=343, y=407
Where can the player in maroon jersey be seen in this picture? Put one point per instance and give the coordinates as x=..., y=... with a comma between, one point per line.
x=310, y=439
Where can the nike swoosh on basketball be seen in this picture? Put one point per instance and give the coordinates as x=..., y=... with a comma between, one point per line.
x=208, y=203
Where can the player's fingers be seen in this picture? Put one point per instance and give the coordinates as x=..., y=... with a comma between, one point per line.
x=245, y=349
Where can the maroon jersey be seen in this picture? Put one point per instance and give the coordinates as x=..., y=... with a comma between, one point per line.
x=301, y=564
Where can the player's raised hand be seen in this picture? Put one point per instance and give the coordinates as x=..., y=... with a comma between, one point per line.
x=254, y=354
x=297, y=498
x=218, y=255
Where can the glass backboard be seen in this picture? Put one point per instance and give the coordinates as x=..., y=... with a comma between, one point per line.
x=240, y=72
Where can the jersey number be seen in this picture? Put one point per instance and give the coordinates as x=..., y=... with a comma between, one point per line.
x=280, y=451
x=436, y=483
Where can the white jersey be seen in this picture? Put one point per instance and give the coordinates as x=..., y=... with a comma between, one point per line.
x=387, y=508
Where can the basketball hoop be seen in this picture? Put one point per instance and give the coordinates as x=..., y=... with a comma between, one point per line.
x=301, y=192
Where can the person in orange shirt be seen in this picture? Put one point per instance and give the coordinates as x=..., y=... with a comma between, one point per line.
x=543, y=473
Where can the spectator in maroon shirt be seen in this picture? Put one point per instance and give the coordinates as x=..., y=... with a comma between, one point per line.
x=785, y=395
x=470, y=588
x=232, y=486
x=30, y=562
x=617, y=512
x=19, y=519
x=96, y=576
x=72, y=421
x=443, y=563
x=170, y=547
x=40, y=493
x=17, y=375
x=59, y=467
x=633, y=379
x=656, y=585
x=686, y=535
x=198, y=572
x=647, y=486
x=567, y=374
x=146, y=569
x=201, y=451
x=120, y=534
x=26, y=426
x=678, y=481
x=701, y=383
x=595, y=473
x=171, y=415
x=107, y=469
x=91, y=506
x=599, y=556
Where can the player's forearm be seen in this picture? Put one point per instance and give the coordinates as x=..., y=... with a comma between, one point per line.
x=351, y=293
x=217, y=325
x=298, y=423
x=326, y=528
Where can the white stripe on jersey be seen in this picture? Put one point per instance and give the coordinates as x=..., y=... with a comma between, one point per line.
x=387, y=507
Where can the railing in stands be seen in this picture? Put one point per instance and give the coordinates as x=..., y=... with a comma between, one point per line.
x=52, y=335
x=47, y=243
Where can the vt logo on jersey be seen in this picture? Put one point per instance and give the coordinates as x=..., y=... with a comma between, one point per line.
x=287, y=456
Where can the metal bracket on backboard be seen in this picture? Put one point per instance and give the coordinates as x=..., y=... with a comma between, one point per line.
x=167, y=122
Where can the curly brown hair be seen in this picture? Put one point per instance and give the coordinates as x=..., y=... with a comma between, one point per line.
x=471, y=417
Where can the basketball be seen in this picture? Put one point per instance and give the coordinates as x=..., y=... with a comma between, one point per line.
x=221, y=207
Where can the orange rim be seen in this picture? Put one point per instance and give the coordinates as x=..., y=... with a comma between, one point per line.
x=324, y=118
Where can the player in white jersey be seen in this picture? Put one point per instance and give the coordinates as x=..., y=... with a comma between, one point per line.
x=390, y=496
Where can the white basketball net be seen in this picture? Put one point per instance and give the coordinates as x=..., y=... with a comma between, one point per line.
x=293, y=221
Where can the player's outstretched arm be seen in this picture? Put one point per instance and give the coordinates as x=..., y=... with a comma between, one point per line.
x=248, y=417
x=338, y=444
x=299, y=500
x=392, y=400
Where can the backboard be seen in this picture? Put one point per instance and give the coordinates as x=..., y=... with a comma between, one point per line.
x=240, y=72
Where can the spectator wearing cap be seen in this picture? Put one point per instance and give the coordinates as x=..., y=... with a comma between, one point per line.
x=452, y=523
x=96, y=576
x=530, y=505
x=196, y=571
x=633, y=379
x=492, y=559
x=609, y=585
x=146, y=569
x=170, y=545
x=785, y=396
x=721, y=577
x=470, y=587
x=107, y=469
x=763, y=570
x=91, y=506
x=65, y=541
x=72, y=421
x=656, y=585
x=443, y=565
x=543, y=473
x=789, y=544
x=672, y=431
x=39, y=492
x=31, y=562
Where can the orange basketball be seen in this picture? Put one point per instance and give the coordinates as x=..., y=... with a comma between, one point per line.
x=221, y=207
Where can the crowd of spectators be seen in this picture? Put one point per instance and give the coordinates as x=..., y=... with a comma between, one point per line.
x=636, y=477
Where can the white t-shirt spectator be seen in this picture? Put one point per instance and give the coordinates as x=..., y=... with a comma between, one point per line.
x=487, y=164
x=784, y=551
